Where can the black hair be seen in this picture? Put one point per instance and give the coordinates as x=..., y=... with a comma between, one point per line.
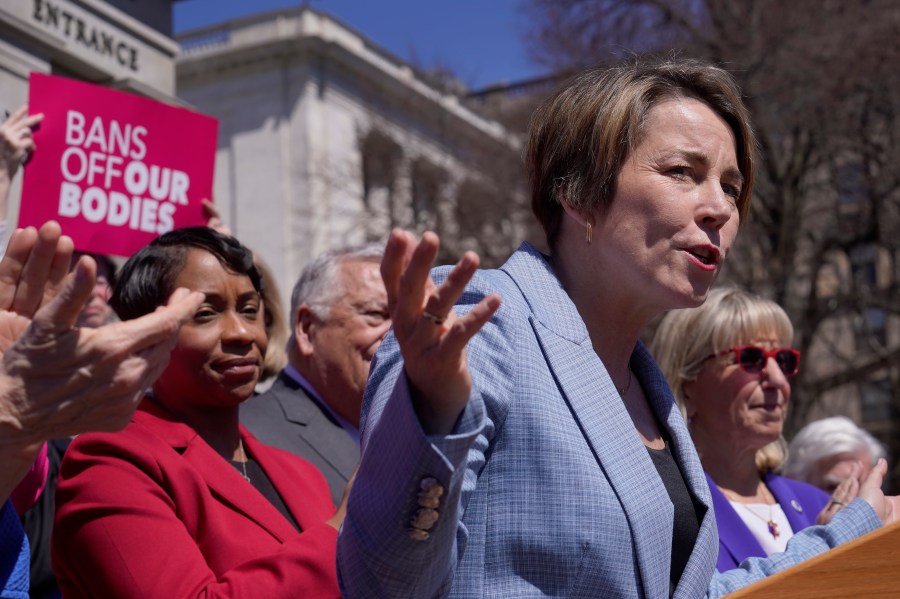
x=148, y=278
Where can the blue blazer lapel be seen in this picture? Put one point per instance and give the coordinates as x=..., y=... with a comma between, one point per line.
x=605, y=423
x=697, y=572
x=656, y=388
x=599, y=412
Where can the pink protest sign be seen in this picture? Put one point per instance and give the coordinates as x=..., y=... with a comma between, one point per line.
x=114, y=169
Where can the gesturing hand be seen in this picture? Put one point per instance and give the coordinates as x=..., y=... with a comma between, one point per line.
x=432, y=337
x=33, y=268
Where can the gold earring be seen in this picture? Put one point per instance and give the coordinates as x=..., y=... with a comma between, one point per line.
x=590, y=232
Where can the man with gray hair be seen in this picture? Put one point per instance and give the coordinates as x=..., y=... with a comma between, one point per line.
x=339, y=315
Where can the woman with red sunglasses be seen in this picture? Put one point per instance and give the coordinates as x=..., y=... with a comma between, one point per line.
x=729, y=363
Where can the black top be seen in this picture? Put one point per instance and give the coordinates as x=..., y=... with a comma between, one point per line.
x=687, y=523
x=261, y=483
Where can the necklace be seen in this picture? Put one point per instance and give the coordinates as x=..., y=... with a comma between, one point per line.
x=243, y=460
x=623, y=390
x=770, y=521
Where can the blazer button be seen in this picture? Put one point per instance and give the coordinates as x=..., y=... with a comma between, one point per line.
x=424, y=518
x=429, y=502
x=418, y=535
x=430, y=487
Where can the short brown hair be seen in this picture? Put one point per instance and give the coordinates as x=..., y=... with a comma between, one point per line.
x=580, y=138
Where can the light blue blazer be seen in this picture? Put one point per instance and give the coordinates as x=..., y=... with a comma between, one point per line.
x=547, y=487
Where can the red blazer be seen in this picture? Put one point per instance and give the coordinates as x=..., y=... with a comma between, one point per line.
x=153, y=511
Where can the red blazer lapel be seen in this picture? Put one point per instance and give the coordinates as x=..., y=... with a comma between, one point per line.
x=223, y=480
x=301, y=485
x=230, y=487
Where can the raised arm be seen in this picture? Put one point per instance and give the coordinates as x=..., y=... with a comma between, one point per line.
x=57, y=380
x=432, y=337
x=16, y=146
x=424, y=428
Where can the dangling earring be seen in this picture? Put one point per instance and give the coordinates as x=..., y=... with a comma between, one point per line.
x=590, y=232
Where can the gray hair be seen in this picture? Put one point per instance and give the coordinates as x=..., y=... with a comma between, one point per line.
x=824, y=438
x=319, y=286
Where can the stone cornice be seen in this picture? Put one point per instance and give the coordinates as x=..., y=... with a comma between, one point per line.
x=303, y=35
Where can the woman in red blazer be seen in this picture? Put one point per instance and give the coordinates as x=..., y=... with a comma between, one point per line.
x=185, y=502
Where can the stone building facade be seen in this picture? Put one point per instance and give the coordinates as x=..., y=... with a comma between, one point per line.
x=326, y=139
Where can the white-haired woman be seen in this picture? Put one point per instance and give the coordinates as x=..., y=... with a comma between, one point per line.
x=825, y=453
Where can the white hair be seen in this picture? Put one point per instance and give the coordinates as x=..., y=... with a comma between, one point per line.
x=319, y=286
x=824, y=438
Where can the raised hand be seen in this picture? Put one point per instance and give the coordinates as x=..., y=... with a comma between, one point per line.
x=886, y=506
x=845, y=492
x=214, y=218
x=16, y=140
x=57, y=380
x=432, y=337
x=33, y=268
x=61, y=381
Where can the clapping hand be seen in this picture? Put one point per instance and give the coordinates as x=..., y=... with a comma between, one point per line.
x=845, y=492
x=432, y=337
x=887, y=507
x=57, y=380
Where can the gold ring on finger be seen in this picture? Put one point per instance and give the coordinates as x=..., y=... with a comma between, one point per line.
x=438, y=320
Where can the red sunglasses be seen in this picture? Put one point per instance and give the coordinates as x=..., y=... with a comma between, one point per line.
x=752, y=358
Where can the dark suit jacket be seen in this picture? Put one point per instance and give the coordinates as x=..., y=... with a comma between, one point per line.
x=801, y=503
x=286, y=417
x=153, y=511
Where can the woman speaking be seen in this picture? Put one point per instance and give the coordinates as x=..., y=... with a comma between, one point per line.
x=533, y=448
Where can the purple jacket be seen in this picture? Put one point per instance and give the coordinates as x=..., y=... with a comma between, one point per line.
x=800, y=501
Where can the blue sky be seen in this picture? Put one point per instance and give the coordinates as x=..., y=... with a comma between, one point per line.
x=479, y=40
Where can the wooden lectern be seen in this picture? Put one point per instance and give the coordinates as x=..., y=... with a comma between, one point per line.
x=865, y=567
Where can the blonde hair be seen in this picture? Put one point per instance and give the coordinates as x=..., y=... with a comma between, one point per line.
x=730, y=316
x=275, y=321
